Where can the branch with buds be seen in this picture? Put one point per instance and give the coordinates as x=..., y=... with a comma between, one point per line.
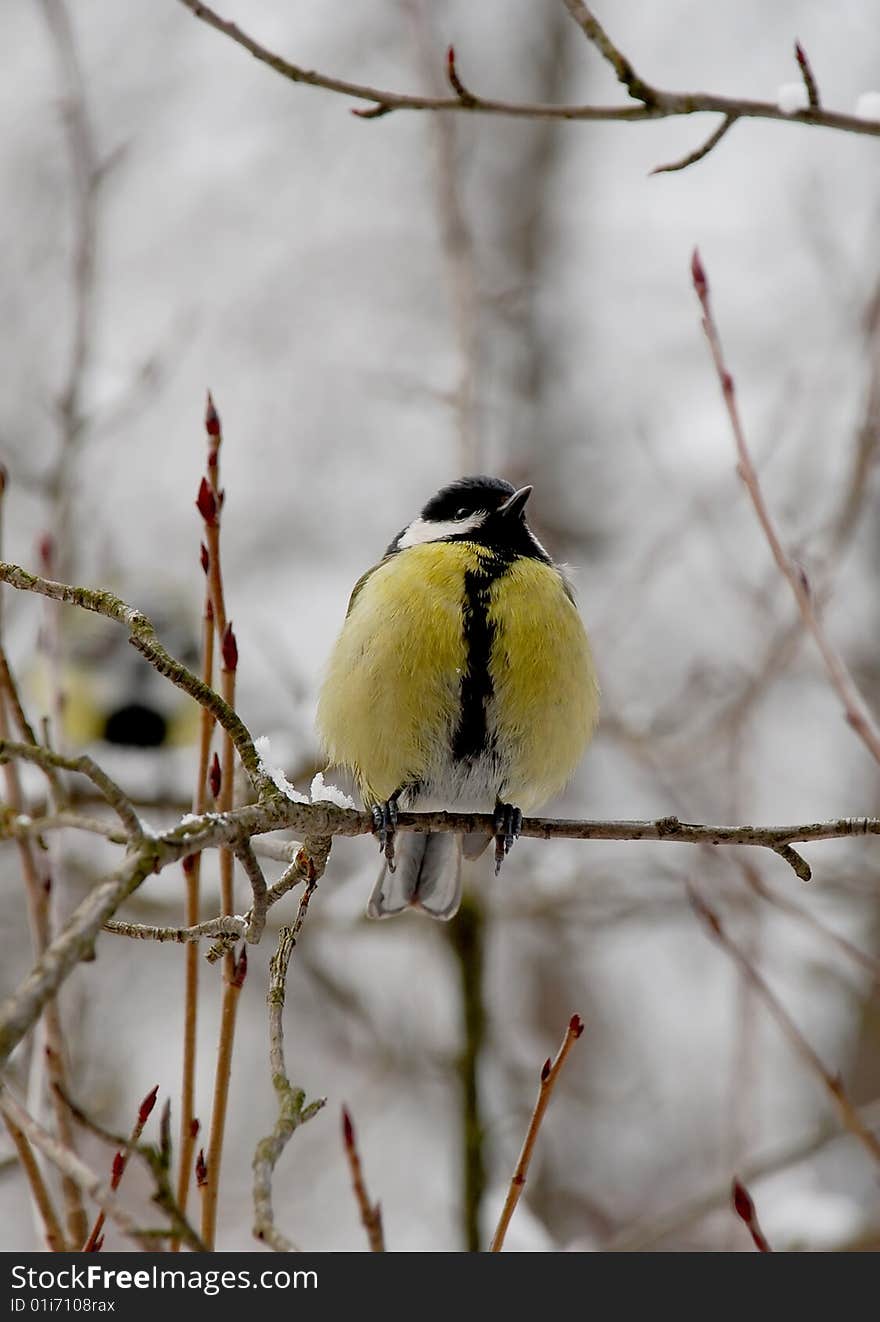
x=649, y=102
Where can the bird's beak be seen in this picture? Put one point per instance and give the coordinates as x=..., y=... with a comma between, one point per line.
x=513, y=507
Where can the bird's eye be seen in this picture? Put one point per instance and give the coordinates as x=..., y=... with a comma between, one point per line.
x=462, y=513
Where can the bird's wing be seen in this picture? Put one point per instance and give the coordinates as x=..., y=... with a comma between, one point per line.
x=362, y=582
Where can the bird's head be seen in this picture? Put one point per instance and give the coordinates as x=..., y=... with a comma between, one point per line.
x=486, y=510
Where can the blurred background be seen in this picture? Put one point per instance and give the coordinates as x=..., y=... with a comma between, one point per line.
x=378, y=307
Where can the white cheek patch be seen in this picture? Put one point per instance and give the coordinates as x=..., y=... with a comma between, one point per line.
x=427, y=530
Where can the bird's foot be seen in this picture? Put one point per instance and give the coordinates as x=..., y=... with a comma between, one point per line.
x=385, y=827
x=508, y=823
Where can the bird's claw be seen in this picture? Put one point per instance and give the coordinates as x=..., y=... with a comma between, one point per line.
x=508, y=823
x=385, y=827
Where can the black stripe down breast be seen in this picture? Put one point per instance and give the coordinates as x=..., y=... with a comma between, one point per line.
x=471, y=737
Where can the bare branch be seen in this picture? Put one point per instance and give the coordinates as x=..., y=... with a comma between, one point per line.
x=293, y=1111
x=549, y=1075
x=857, y=712
x=233, y=925
x=808, y=76
x=143, y=638
x=120, y=1161
x=646, y=1233
x=697, y=155
x=625, y=73
x=86, y=766
x=42, y=1198
x=70, y=1165
x=659, y=104
x=832, y=1083
x=371, y=1213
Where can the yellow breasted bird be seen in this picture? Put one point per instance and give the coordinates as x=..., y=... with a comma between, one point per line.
x=462, y=678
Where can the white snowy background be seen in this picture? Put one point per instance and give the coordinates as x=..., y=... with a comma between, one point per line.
x=255, y=237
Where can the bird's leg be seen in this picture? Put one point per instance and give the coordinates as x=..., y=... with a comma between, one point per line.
x=385, y=826
x=508, y=823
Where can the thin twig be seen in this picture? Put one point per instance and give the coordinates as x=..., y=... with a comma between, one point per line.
x=86, y=175
x=832, y=1083
x=189, y=1125
x=467, y=938
x=143, y=638
x=232, y=925
x=26, y=730
x=646, y=1233
x=458, y=249
x=157, y=1159
x=120, y=1161
x=623, y=70
x=699, y=152
x=808, y=76
x=50, y=1057
x=869, y=964
x=658, y=105
x=86, y=766
x=371, y=1213
x=549, y=1074
x=856, y=709
x=42, y=1198
x=293, y=1111
x=70, y=1165
x=259, y=890
x=210, y=503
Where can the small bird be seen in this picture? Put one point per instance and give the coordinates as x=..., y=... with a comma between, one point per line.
x=462, y=678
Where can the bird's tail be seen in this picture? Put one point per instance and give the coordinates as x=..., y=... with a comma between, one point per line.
x=427, y=877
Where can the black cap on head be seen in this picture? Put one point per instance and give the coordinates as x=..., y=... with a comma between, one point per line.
x=467, y=496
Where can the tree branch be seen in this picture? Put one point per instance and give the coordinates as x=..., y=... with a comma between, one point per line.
x=69, y=1164
x=654, y=103
x=549, y=1075
x=143, y=637
x=293, y=1111
x=832, y=1083
x=856, y=709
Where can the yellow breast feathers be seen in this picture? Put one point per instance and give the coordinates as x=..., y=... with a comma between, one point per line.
x=392, y=697
x=545, y=695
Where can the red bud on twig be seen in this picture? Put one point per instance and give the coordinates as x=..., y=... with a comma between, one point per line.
x=545, y=1070
x=117, y=1169
x=745, y=1210
x=204, y=558
x=347, y=1128
x=194, y=1127
x=148, y=1103
x=808, y=76
x=215, y=777
x=206, y=502
x=576, y=1025
x=201, y=1169
x=701, y=284
x=455, y=82
x=212, y=417
x=229, y=648
x=742, y=1203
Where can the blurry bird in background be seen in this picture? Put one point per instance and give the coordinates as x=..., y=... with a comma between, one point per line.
x=109, y=694
x=462, y=678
